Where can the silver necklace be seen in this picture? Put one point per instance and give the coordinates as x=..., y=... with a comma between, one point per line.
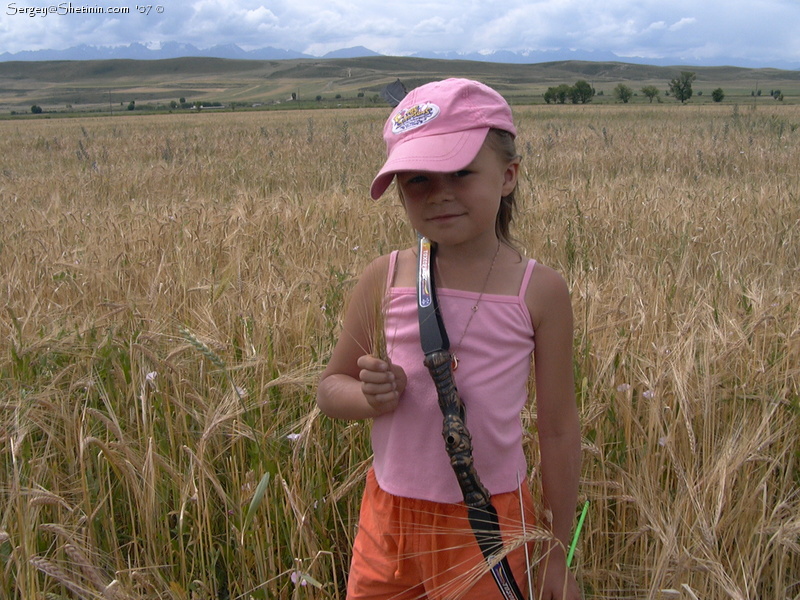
x=474, y=308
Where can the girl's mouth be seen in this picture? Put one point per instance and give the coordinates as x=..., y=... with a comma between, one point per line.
x=443, y=218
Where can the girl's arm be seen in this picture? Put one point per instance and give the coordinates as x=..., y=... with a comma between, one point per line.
x=355, y=384
x=557, y=423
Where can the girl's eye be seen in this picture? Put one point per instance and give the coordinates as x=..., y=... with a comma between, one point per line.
x=416, y=179
x=463, y=173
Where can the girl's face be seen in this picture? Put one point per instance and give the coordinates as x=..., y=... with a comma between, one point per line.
x=460, y=207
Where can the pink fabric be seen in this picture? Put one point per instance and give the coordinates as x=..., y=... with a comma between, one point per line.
x=492, y=378
x=440, y=127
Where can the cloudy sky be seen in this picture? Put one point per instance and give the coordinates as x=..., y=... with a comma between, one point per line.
x=699, y=31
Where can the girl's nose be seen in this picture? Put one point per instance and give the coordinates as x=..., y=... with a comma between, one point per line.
x=441, y=189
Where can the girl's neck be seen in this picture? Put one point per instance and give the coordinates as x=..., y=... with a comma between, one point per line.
x=468, y=254
x=467, y=269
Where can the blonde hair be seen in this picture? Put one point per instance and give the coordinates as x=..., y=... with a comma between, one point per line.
x=502, y=142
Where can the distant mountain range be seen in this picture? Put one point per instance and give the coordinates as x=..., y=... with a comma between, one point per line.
x=137, y=51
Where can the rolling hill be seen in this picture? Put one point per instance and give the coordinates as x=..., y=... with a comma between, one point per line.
x=82, y=85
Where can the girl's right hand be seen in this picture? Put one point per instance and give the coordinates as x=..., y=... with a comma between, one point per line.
x=382, y=383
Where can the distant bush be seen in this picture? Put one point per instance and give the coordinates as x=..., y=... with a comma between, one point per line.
x=623, y=93
x=681, y=87
x=580, y=93
x=651, y=92
x=36, y=109
x=557, y=94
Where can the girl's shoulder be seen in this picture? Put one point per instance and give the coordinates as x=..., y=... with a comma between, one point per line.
x=403, y=265
x=370, y=283
x=382, y=272
x=547, y=296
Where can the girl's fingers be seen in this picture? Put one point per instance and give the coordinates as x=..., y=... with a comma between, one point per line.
x=379, y=383
x=375, y=370
x=377, y=389
x=382, y=402
x=378, y=377
x=372, y=363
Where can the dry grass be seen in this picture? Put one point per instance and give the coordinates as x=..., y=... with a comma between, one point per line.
x=172, y=285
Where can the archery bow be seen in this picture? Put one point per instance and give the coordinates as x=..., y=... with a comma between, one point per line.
x=458, y=442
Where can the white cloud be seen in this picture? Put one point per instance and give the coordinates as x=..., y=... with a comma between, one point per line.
x=436, y=26
x=682, y=23
x=652, y=28
x=260, y=17
x=658, y=25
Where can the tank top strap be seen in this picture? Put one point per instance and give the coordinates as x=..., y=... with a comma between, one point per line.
x=526, y=278
x=390, y=271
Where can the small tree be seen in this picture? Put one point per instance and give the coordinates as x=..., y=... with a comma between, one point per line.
x=550, y=95
x=563, y=92
x=717, y=95
x=557, y=94
x=36, y=109
x=651, y=92
x=581, y=92
x=623, y=93
x=681, y=87
x=132, y=105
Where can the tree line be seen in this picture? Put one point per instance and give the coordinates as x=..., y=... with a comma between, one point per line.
x=582, y=92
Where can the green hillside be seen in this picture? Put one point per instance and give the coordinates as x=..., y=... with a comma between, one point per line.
x=91, y=85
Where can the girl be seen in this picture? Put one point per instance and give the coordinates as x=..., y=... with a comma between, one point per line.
x=450, y=148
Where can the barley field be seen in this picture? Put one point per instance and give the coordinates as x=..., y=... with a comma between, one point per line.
x=173, y=284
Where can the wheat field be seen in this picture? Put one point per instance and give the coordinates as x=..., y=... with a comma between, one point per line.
x=173, y=284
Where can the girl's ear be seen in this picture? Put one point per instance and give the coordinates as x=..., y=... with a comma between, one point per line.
x=510, y=176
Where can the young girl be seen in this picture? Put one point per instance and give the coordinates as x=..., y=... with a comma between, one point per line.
x=450, y=148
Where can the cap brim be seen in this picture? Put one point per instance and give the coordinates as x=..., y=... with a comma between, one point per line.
x=445, y=153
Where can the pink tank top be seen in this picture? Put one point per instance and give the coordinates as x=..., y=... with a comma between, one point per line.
x=492, y=379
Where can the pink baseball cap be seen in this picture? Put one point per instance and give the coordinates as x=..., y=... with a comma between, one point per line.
x=440, y=127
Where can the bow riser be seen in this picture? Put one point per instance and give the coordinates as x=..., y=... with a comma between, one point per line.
x=457, y=439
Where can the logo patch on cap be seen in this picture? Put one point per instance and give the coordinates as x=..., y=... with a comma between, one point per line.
x=413, y=117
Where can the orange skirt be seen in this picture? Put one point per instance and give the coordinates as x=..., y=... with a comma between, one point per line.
x=407, y=548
